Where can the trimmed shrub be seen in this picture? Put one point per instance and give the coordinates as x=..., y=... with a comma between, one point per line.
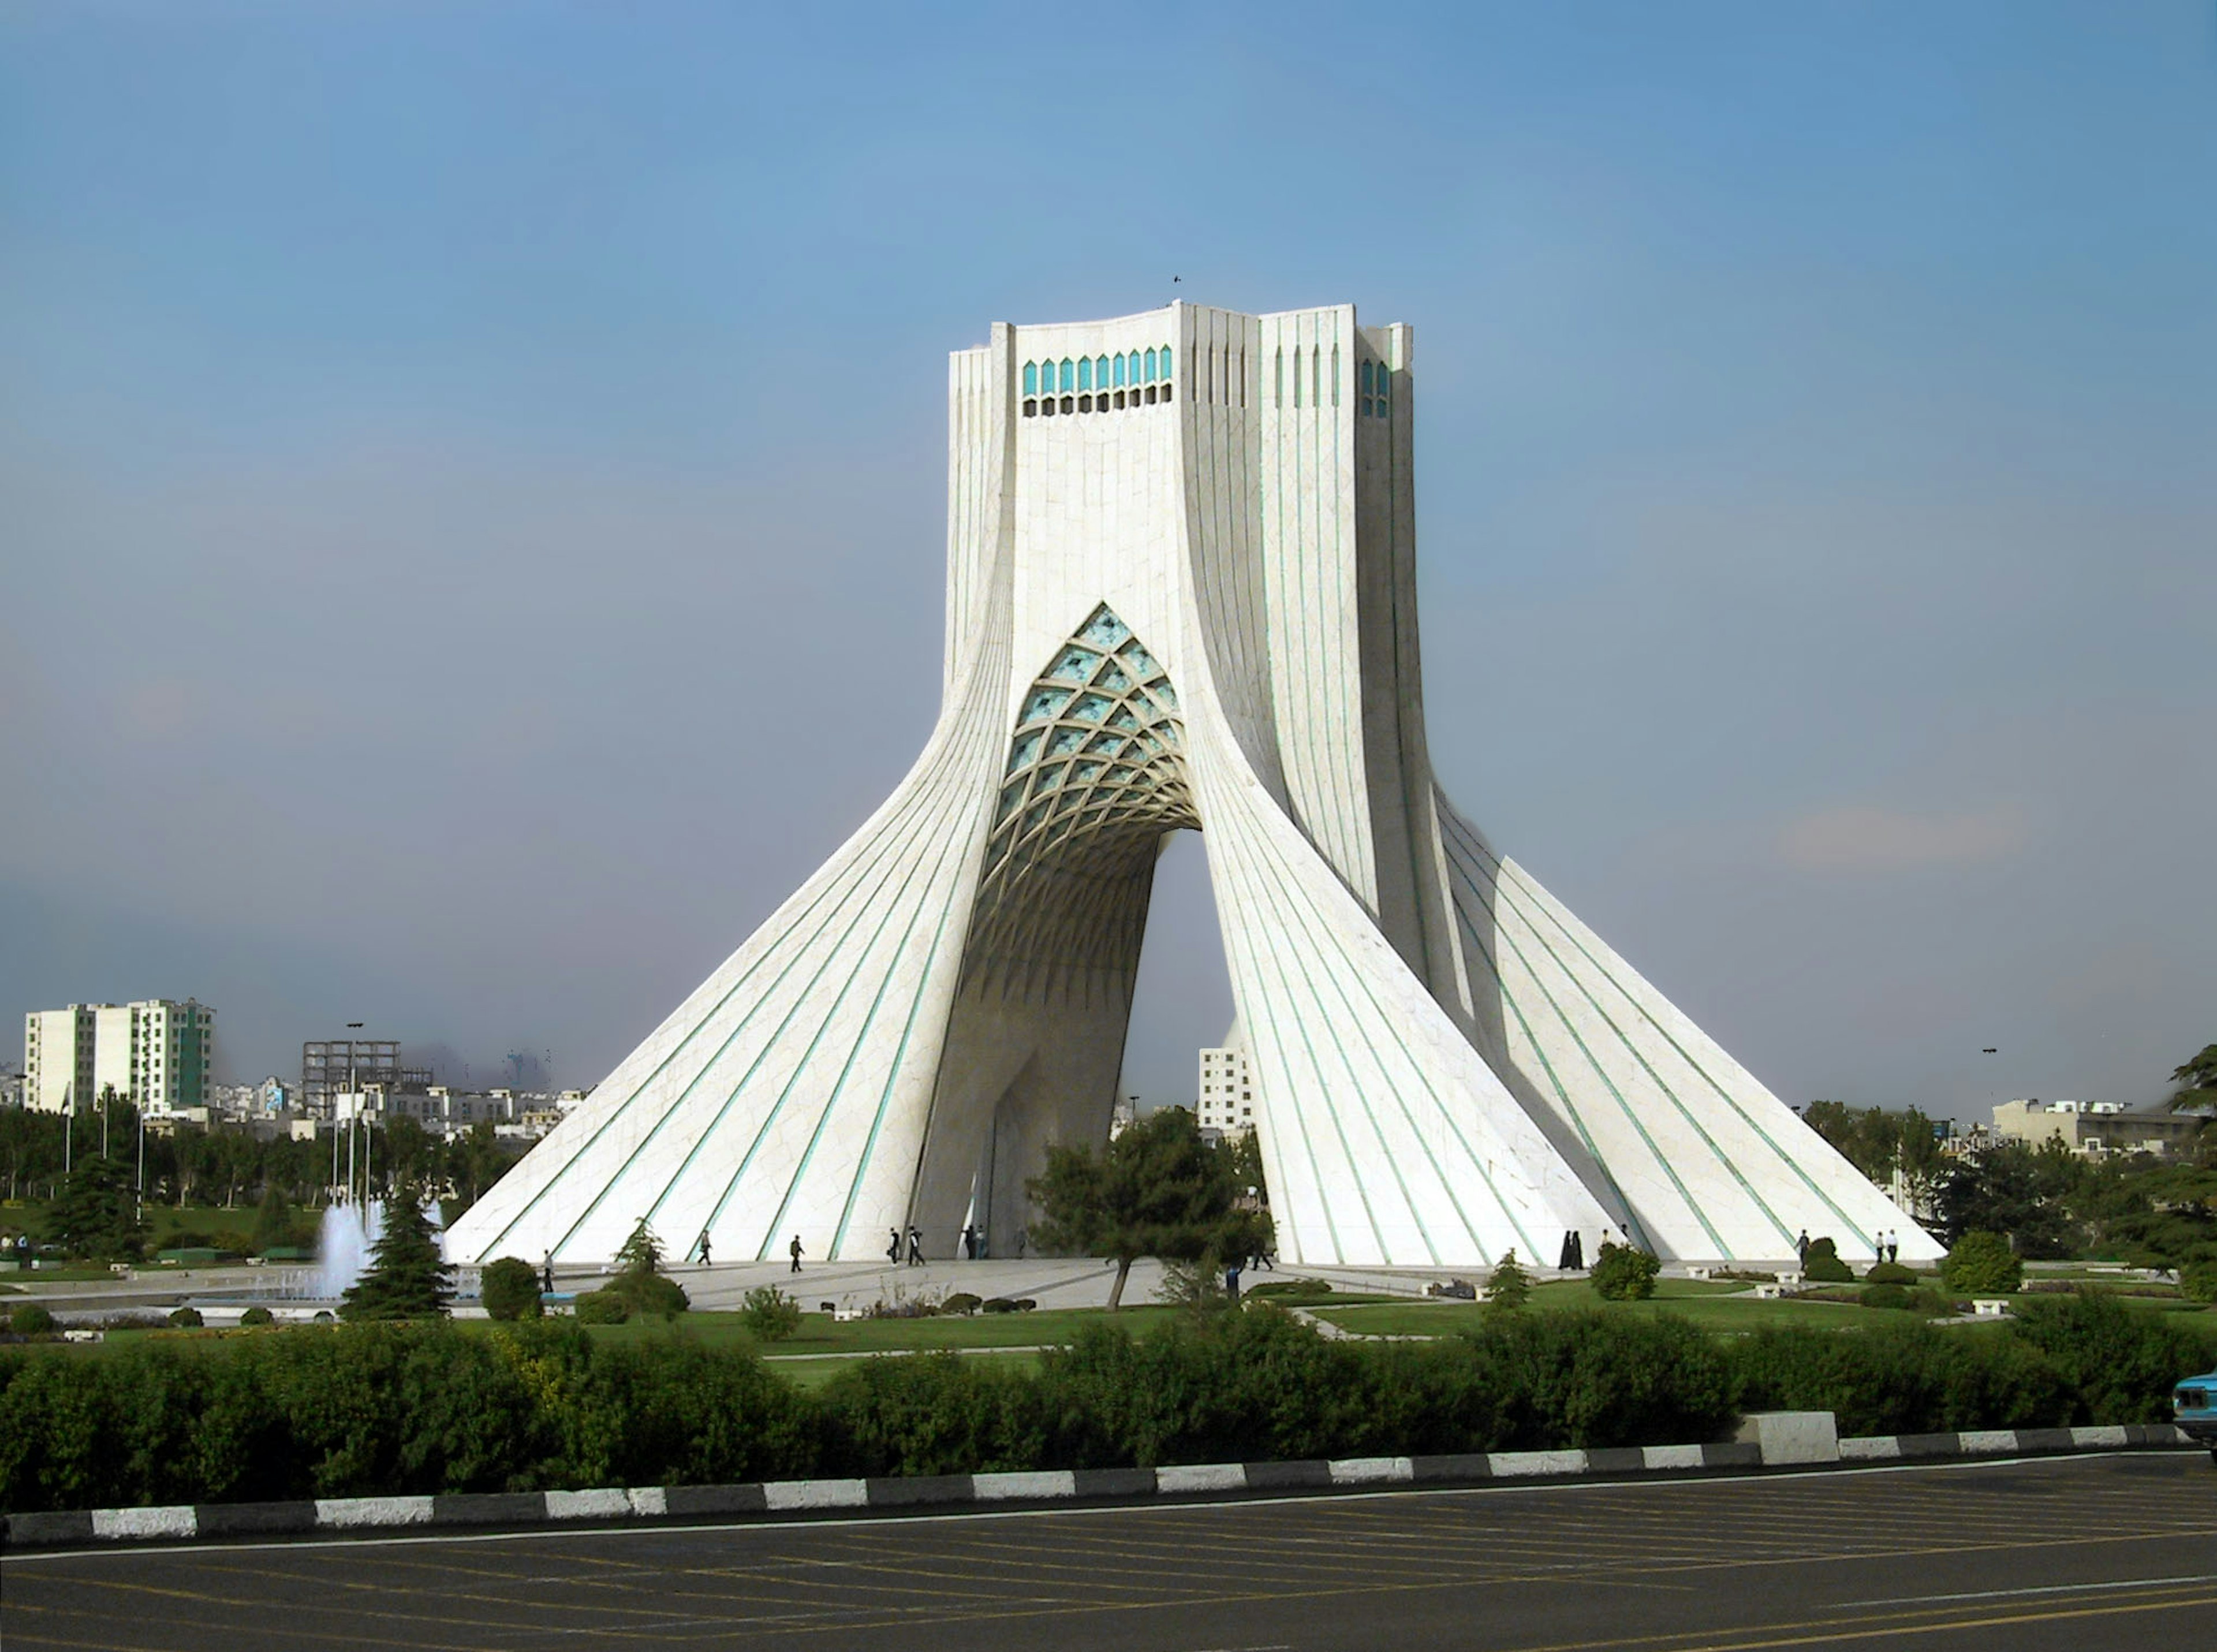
x=2119, y=1363
x=769, y=1314
x=933, y=1413
x=187, y=1319
x=1890, y=1273
x=2197, y=1281
x=603, y=1306
x=509, y=1289
x=1624, y=1273
x=1901, y=1378
x=1822, y=1265
x=1007, y=1305
x=962, y=1301
x=258, y=1315
x=30, y=1320
x=1606, y=1379
x=1982, y=1262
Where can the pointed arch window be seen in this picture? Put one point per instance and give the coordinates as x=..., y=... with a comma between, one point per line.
x=1031, y=377
x=1069, y=375
x=1085, y=372
x=1118, y=371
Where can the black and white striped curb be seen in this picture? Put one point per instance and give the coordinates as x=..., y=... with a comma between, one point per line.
x=449, y=1511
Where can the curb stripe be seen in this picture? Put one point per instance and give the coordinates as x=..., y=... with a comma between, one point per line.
x=81, y=1527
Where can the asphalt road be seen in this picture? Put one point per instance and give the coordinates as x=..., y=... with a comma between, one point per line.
x=2033, y=1556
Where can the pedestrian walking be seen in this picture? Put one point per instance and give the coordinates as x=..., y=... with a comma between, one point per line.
x=1231, y=1280
x=1893, y=1245
x=1023, y=1238
x=1801, y=1247
x=893, y=1248
x=702, y=1247
x=914, y=1246
x=546, y=1274
x=792, y=1250
x=969, y=1241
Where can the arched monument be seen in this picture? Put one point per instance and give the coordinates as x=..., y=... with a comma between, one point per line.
x=1181, y=593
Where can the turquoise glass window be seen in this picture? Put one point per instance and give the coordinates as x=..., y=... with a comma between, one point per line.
x=1120, y=372
x=1031, y=377
x=1166, y=361
x=1085, y=374
x=1069, y=381
x=1101, y=373
x=1151, y=367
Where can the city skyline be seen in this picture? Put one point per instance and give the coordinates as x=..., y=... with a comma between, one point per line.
x=415, y=466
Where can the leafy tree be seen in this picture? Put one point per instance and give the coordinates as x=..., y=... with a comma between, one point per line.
x=1625, y=1273
x=769, y=1314
x=1158, y=1190
x=97, y=1214
x=408, y=1279
x=1982, y=1261
x=1507, y=1288
x=2020, y=1192
x=509, y=1289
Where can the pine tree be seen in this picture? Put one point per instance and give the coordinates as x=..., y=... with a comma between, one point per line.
x=1510, y=1287
x=408, y=1279
x=97, y=1214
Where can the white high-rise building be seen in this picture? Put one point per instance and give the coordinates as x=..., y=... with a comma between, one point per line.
x=1225, y=1091
x=158, y=1052
x=1181, y=594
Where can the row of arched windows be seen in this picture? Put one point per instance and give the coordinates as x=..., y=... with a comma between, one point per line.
x=1088, y=372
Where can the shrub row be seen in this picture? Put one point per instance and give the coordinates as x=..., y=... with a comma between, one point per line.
x=367, y=1410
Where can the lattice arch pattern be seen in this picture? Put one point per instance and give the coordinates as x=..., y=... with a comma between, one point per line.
x=1096, y=775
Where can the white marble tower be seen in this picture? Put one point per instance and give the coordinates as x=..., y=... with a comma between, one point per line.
x=1181, y=592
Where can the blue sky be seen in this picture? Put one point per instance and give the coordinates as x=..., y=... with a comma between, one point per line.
x=471, y=481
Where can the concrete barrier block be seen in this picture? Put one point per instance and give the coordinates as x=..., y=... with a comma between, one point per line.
x=1185, y=1477
x=817, y=1493
x=1987, y=1441
x=1370, y=1470
x=1671, y=1457
x=2098, y=1440
x=135, y=1524
x=349, y=1513
x=1786, y=1438
x=606, y=1503
x=1518, y=1465
x=1010, y=1486
x=1871, y=1448
x=648, y=1502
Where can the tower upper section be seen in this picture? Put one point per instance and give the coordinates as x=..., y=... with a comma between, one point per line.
x=1237, y=487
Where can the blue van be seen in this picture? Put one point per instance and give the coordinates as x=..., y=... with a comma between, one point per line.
x=2193, y=1408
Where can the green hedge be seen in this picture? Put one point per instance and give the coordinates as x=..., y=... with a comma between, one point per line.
x=356, y=1410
